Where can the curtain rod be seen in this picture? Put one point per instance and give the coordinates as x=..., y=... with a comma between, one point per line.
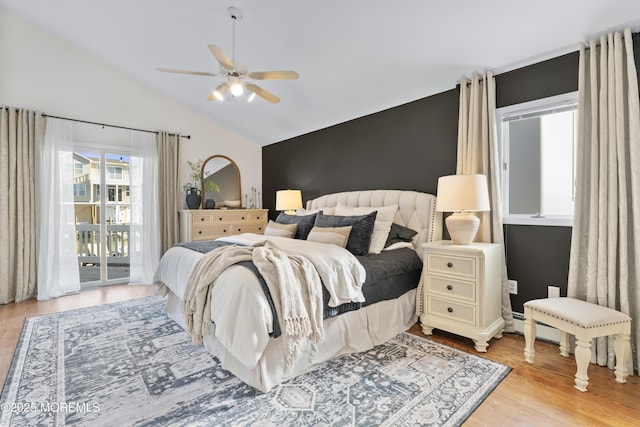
x=111, y=126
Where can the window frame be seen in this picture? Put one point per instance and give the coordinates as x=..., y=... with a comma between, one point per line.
x=551, y=104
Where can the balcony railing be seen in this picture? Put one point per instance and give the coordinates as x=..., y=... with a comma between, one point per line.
x=89, y=248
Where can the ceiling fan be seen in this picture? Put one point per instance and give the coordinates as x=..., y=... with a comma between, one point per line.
x=237, y=73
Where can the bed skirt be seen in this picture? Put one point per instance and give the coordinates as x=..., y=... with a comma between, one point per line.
x=350, y=332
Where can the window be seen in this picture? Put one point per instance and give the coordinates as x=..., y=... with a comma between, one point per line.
x=537, y=141
x=114, y=172
x=79, y=169
x=79, y=189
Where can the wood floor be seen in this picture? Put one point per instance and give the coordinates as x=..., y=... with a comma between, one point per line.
x=531, y=395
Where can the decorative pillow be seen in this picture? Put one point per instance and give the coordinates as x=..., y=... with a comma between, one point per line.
x=381, y=229
x=333, y=235
x=398, y=245
x=399, y=233
x=362, y=227
x=280, y=230
x=305, y=223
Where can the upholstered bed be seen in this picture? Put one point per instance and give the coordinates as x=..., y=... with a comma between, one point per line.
x=241, y=310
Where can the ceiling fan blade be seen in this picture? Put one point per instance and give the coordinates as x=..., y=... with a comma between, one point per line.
x=221, y=89
x=274, y=75
x=262, y=93
x=195, y=73
x=222, y=57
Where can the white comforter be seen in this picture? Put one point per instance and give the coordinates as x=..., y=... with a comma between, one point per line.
x=239, y=309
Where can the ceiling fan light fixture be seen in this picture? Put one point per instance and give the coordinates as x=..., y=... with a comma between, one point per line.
x=235, y=86
x=219, y=92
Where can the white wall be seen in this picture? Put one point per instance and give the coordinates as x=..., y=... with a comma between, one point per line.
x=41, y=72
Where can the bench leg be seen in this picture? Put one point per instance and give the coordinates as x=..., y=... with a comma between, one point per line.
x=529, y=335
x=583, y=355
x=622, y=348
x=564, y=343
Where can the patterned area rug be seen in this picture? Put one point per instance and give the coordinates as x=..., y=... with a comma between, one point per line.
x=128, y=364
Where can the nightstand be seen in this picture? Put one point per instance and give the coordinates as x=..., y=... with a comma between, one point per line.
x=462, y=290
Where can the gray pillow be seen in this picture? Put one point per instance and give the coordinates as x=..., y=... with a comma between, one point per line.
x=361, y=229
x=399, y=233
x=305, y=223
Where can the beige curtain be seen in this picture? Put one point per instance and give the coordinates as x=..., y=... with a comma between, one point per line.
x=478, y=154
x=168, y=181
x=604, y=266
x=21, y=136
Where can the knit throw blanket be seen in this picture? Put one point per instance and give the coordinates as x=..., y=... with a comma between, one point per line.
x=293, y=282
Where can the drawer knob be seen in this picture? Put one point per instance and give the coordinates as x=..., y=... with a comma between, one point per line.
x=449, y=264
x=450, y=310
x=202, y=219
x=200, y=232
x=449, y=287
x=243, y=218
x=220, y=218
x=239, y=229
x=224, y=231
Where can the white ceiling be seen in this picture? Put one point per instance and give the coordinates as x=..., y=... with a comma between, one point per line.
x=355, y=57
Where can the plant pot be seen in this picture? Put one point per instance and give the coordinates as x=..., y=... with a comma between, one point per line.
x=209, y=204
x=193, y=199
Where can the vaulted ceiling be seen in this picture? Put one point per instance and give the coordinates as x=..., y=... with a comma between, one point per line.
x=354, y=57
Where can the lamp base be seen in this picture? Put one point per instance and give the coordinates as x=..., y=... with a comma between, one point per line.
x=462, y=227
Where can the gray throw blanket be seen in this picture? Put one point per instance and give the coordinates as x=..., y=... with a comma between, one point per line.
x=293, y=282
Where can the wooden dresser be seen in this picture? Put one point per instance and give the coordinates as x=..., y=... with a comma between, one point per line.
x=209, y=224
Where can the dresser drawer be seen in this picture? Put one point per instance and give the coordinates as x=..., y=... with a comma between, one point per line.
x=201, y=218
x=258, y=216
x=452, y=310
x=449, y=264
x=454, y=288
x=233, y=216
x=209, y=232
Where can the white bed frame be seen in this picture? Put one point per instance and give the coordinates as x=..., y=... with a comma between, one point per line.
x=350, y=332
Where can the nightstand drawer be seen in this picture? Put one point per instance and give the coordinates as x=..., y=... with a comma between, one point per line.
x=454, y=288
x=209, y=232
x=452, y=310
x=447, y=264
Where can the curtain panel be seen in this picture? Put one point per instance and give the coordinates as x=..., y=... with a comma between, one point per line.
x=168, y=182
x=604, y=264
x=58, y=271
x=478, y=154
x=21, y=136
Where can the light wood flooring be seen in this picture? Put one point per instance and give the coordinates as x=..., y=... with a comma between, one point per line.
x=541, y=394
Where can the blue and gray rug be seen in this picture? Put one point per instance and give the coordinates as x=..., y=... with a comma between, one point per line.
x=128, y=364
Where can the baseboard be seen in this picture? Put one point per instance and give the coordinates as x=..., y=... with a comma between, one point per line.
x=543, y=332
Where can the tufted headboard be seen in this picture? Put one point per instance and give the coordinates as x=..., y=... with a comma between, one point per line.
x=415, y=210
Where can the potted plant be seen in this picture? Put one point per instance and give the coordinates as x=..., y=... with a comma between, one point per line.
x=192, y=188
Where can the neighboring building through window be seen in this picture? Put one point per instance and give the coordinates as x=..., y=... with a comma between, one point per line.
x=538, y=141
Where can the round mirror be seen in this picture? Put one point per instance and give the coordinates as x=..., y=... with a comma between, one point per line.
x=221, y=183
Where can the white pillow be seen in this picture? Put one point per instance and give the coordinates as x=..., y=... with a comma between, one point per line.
x=381, y=227
x=326, y=211
x=334, y=235
x=398, y=245
x=280, y=230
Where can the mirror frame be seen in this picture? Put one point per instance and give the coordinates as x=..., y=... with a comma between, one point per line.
x=204, y=164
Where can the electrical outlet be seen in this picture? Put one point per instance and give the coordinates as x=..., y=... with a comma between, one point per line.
x=513, y=287
x=553, y=291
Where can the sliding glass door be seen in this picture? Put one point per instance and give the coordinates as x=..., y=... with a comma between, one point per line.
x=101, y=192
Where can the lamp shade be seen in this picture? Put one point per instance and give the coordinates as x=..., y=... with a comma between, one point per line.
x=462, y=193
x=288, y=200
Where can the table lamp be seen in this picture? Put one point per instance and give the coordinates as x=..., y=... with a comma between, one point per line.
x=462, y=195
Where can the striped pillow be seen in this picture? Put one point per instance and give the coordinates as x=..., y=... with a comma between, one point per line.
x=333, y=235
x=280, y=230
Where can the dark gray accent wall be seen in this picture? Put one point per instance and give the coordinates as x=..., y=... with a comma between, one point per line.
x=407, y=147
x=410, y=146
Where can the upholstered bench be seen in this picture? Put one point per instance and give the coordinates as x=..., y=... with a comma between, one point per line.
x=585, y=321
